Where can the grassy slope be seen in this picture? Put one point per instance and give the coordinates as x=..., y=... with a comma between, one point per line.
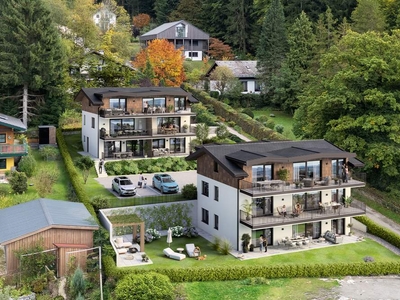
x=280, y=118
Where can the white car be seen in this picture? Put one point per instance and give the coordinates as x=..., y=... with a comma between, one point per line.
x=123, y=186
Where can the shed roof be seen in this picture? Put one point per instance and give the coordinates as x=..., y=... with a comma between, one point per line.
x=12, y=122
x=27, y=218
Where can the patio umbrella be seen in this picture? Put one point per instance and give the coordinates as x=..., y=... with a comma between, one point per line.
x=169, y=237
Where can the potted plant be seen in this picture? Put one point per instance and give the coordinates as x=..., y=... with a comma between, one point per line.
x=347, y=201
x=251, y=247
x=185, y=127
x=146, y=148
x=336, y=180
x=170, y=108
x=248, y=208
x=297, y=184
x=283, y=174
x=245, y=242
x=350, y=225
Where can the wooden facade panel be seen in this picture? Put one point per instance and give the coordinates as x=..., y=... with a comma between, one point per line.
x=47, y=239
x=205, y=166
x=87, y=107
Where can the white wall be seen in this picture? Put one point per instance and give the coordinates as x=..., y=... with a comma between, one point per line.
x=226, y=209
x=198, y=58
x=92, y=133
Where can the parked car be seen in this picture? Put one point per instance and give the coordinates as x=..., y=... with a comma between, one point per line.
x=123, y=186
x=165, y=183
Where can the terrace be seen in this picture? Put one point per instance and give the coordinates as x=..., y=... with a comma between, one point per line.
x=356, y=208
x=155, y=111
x=278, y=187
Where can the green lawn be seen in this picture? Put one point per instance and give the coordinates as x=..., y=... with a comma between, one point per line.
x=336, y=254
x=280, y=118
x=298, y=288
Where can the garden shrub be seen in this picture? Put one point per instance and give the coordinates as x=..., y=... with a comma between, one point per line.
x=262, y=119
x=279, y=128
x=190, y=232
x=77, y=283
x=189, y=191
x=28, y=165
x=225, y=247
x=248, y=112
x=214, y=94
x=177, y=231
x=18, y=182
x=100, y=202
x=154, y=233
x=147, y=286
x=216, y=243
x=49, y=153
x=269, y=123
x=45, y=179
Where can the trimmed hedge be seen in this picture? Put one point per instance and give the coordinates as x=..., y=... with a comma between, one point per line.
x=75, y=177
x=379, y=231
x=277, y=271
x=250, y=126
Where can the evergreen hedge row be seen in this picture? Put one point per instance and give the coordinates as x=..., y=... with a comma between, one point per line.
x=250, y=126
x=243, y=272
x=379, y=231
x=74, y=176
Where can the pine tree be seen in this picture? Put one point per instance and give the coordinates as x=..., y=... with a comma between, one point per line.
x=273, y=44
x=31, y=54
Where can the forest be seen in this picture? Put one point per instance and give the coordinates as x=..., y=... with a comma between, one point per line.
x=333, y=65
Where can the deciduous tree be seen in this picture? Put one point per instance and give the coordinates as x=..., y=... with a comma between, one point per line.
x=224, y=79
x=357, y=103
x=166, y=61
x=220, y=51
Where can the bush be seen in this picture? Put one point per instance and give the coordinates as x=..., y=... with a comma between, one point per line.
x=248, y=112
x=269, y=123
x=154, y=233
x=216, y=243
x=49, y=153
x=177, y=231
x=27, y=164
x=189, y=191
x=18, y=182
x=262, y=119
x=190, y=232
x=100, y=202
x=279, y=128
x=45, y=179
x=146, y=286
x=225, y=247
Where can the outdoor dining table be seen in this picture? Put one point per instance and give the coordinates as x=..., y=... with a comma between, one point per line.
x=335, y=206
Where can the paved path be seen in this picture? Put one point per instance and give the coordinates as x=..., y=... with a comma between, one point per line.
x=233, y=131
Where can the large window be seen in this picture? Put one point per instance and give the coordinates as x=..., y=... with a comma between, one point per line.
x=180, y=103
x=309, y=169
x=180, y=31
x=3, y=163
x=337, y=168
x=177, y=145
x=3, y=138
x=263, y=206
x=117, y=126
x=118, y=103
x=166, y=122
x=204, y=215
x=155, y=102
x=159, y=143
x=244, y=84
x=261, y=172
x=205, y=188
x=337, y=195
x=308, y=201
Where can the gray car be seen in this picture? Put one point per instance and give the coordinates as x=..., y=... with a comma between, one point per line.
x=123, y=186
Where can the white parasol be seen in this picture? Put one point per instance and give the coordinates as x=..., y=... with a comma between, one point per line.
x=169, y=237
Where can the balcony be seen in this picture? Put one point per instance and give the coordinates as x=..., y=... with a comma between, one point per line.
x=13, y=150
x=160, y=111
x=277, y=187
x=356, y=208
x=123, y=134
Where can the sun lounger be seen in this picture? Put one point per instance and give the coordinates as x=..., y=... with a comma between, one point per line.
x=174, y=255
x=191, y=250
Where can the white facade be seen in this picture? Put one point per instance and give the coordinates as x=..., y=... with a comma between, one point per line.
x=194, y=55
x=90, y=133
x=226, y=208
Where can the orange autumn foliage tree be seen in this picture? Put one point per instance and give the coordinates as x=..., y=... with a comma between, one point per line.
x=141, y=20
x=166, y=61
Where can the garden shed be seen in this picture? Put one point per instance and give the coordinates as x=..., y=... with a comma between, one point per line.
x=53, y=224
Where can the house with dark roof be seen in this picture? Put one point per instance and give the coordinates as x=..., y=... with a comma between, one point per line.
x=182, y=34
x=279, y=189
x=11, y=148
x=244, y=70
x=53, y=224
x=136, y=122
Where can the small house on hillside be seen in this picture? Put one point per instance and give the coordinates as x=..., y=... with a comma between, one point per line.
x=62, y=226
x=11, y=149
x=194, y=41
x=104, y=18
x=244, y=70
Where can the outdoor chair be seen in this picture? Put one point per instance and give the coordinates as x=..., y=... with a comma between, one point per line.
x=173, y=255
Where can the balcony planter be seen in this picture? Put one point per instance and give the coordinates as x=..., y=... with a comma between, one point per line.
x=248, y=209
x=185, y=128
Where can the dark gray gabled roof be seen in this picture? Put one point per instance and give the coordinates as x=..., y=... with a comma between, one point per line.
x=12, y=122
x=96, y=95
x=162, y=31
x=239, y=68
x=233, y=157
x=36, y=215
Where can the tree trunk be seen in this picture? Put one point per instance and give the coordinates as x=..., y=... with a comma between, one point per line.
x=25, y=105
